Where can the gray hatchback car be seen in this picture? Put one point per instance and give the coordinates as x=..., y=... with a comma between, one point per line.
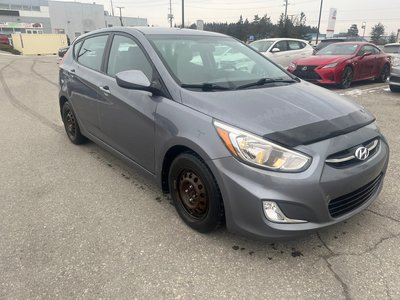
x=232, y=137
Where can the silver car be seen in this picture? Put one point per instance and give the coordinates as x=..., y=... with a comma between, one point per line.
x=253, y=147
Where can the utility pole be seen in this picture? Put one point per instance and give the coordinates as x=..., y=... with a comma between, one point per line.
x=285, y=4
x=183, y=14
x=170, y=15
x=319, y=20
x=120, y=14
x=112, y=8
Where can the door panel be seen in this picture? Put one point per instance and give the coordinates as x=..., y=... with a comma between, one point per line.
x=84, y=81
x=127, y=116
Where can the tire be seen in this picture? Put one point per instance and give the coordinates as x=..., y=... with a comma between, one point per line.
x=195, y=193
x=394, y=88
x=347, y=78
x=71, y=125
x=383, y=76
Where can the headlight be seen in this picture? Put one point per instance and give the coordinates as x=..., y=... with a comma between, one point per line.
x=395, y=61
x=259, y=152
x=330, y=65
x=292, y=66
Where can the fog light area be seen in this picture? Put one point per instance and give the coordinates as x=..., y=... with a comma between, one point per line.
x=274, y=214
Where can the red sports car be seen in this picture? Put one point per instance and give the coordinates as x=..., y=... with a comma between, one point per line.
x=343, y=63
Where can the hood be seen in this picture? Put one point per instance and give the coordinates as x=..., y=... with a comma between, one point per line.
x=317, y=60
x=295, y=114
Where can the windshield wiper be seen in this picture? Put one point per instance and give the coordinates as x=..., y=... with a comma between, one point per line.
x=206, y=86
x=264, y=81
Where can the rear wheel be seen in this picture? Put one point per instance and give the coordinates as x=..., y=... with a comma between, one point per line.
x=347, y=78
x=383, y=76
x=394, y=88
x=195, y=193
x=71, y=125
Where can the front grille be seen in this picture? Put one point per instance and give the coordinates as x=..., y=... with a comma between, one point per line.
x=346, y=158
x=306, y=72
x=345, y=204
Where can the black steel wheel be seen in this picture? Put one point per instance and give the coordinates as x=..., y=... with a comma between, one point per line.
x=385, y=73
x=195, y=193
x=347, y=78
x=71, y=125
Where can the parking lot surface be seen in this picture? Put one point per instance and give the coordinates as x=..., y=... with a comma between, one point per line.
x=75, y=222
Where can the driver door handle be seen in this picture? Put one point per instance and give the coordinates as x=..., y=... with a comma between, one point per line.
x=105, y=89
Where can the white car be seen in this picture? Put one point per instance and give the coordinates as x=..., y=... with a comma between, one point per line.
x=393, y=50
x=283, y=50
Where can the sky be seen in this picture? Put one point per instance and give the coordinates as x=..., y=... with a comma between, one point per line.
x=348, y=11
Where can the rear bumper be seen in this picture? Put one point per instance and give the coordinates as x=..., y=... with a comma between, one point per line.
x=302, y=196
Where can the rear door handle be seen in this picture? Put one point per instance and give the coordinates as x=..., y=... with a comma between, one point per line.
x=105, y=89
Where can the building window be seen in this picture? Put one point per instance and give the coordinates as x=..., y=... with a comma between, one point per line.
x=13, y=13
x=16, y=7
x=36, y=8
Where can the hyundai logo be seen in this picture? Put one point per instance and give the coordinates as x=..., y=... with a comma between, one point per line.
x=304, y=69
x=362, y=153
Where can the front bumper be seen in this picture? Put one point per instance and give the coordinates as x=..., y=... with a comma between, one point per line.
x=394, y=79
x=302, y=196
x=320, y=75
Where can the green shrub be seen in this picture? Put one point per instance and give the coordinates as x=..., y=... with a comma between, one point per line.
x=8, y=48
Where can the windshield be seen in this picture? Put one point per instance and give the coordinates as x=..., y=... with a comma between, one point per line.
x=395, y=49
x=338, y=49
x=222, y=62
x=261, y=46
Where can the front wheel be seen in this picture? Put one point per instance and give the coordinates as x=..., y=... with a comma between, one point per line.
x=347, y=78
x=195, y=193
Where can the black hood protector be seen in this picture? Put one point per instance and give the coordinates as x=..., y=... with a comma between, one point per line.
x=322, y=130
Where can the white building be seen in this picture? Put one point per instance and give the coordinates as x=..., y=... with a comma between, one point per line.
x=71, y=18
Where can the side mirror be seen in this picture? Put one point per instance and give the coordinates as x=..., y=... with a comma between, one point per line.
x=275, y=50
x=133, y=80
x=366, y=54
x=136, y=80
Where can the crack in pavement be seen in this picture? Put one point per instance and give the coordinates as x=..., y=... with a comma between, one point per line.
x=345, y=287
x=332, y=254
x=383, y=216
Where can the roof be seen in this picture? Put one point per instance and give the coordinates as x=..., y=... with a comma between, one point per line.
x=392, y=44
x=175, y=31
x=281, y=39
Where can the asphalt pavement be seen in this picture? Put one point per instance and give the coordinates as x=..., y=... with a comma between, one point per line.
x=78, y=223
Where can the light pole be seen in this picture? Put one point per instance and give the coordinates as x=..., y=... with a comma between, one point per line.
x=120, y=14
x=363, y=25
x=319, y=20
x=183, y=14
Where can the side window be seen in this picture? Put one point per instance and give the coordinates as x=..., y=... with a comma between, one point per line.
x=376, y=50
x=76, y=48
x=91, y=53
x=126, y=55
x=294, y=45
x=363, y=50
x=282, y=45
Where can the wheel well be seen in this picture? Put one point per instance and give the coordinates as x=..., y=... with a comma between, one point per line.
x=169, y=157
x=62, y=102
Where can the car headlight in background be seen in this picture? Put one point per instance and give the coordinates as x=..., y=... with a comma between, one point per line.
x=259, y=152
x=292, y=66
x=332, y=65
